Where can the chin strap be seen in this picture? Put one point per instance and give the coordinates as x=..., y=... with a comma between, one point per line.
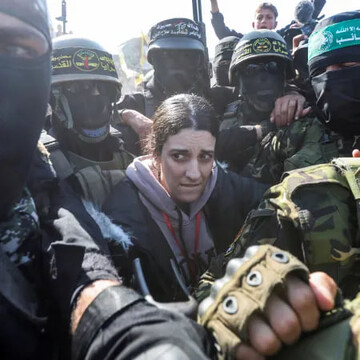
x=62, y=108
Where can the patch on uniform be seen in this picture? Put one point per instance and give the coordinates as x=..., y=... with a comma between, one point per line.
x=86, y=60
x=262, y=45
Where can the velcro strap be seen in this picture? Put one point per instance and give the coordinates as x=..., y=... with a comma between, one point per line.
x=245, y=290
x=109, y=302
x=61, y=164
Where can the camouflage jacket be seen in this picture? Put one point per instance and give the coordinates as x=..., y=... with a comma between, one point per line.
x=303, y=143
x=315, y=214
x=19, y=232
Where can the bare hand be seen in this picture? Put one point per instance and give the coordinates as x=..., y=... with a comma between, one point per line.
x=296, y=41
x=288, y=108
x=356, y=153
x=287, y=320
x=214, y=6
x=138, y=122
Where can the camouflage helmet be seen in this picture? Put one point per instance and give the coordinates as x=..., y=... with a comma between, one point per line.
x=76, y=58
x=261, y=44
x=175, y=34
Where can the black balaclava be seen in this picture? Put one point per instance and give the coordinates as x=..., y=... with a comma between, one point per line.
x=24, y=91
x=261, y=82
x=336, y=40
x=91, y=114
x=222, y=59
x=179, y=71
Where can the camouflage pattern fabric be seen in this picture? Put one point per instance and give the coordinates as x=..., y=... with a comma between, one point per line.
x=314, y=213
x=22, y=225
x=304, y=143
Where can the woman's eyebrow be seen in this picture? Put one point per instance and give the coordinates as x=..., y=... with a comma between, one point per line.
x=180, y=150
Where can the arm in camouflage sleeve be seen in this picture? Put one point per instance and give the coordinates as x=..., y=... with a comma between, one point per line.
x=295, y=146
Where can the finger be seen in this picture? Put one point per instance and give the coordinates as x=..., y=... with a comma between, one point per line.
x=305, y=111
x=272, y=116
x=277, y=111
x=283, y=320
x=245, y=352
x=324, y=288
x=284, y=113
x=302, y=300
x=300, y=106
x=262, y=338
x=356, y=153
x=291, y=111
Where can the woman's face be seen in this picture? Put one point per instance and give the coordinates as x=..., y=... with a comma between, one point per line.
x=186, y=162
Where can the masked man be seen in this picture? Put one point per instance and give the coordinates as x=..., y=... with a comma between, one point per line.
x=314, y=211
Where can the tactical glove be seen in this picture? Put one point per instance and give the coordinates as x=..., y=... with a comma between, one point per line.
x=244, y=291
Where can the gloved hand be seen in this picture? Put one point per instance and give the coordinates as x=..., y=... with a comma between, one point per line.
x=267, y=283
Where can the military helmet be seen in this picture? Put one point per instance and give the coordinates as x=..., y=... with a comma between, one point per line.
x=261, y=44
x=76, y=58
x=175, y=34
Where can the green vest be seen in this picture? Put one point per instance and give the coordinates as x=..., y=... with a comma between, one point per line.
x=95, y=178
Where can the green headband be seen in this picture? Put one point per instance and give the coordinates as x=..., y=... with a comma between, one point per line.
x=333, y=37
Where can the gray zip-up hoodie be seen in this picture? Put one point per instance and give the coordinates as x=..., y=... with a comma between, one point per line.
x=158, y=201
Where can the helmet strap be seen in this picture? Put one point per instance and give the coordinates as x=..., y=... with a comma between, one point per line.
x=62, y=108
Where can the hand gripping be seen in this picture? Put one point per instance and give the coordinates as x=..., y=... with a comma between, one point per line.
x=243, y=291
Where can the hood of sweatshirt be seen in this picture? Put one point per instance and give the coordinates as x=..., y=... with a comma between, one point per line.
x=158, y=202
x=140, y=172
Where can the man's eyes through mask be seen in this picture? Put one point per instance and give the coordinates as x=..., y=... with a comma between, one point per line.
x=90, y=87
x=271, y=67
x=180, y=58
x=19, y=40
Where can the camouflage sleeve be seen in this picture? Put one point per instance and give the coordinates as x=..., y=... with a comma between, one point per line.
x=311, y=149
x=295, y=146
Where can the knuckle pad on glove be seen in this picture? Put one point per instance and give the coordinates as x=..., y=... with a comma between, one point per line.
x=244, y=291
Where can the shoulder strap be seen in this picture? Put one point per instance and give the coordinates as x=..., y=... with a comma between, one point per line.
x=149, y=104
x=58, y=159
x=230, y=115
x=61, y=164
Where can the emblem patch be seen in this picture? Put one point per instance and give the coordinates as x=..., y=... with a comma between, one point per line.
x=262, y=45
x=86, y=60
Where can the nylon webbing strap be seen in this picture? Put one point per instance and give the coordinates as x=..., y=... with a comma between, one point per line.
x=61, y=164
x=149, y=104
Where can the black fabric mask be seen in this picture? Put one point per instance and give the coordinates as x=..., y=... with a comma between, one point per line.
x=178, y=71
x=91, y=115
x=338, y=98
x=261, y=84
x=24, y=91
